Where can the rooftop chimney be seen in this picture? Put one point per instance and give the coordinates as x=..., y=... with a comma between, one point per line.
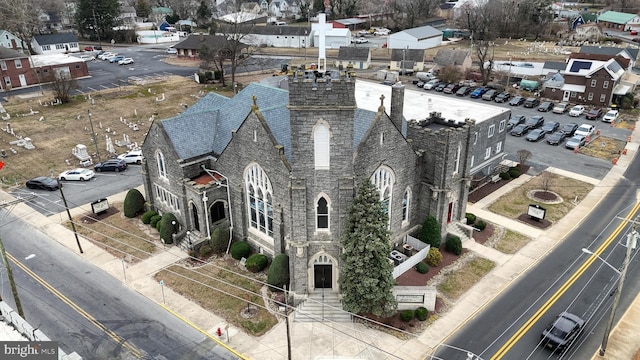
x=397, y=105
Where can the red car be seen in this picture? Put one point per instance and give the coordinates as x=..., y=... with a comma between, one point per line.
x=88, y=48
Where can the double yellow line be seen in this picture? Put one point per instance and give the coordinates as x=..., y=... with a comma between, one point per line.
x=117, y=338
x=552, y=300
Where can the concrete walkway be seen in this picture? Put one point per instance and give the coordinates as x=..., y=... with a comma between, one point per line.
x=338, y=340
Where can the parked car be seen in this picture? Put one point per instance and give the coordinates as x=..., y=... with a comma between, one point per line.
x=489, y=95
x=116, y=58
x=125, y=61
x=556, y=138
x=451, y=89
x=594, y=114
x=534, y=122
x=88, y=48
x=561, y=108
x=420, y=83
x=478, y=92
x=431, y=84
x=531, y=102
x=502, y=97
x=361, y=40
x=517, y=101
x=576, y=141
x=116, y=165
x=610, y=116
x=440, y=87
x=545, y=106
x=87, y=57
x=106, y=55
x=43, y=183
x=562, y=332
x=132, y=157
x=536, y=135
x=171, y=50
x=551, y=126
x=79, y=174
x=576, y=111
x=569, y=129
x=520, y=130
x=585, y=129
x=463, y=91
x=515, y=120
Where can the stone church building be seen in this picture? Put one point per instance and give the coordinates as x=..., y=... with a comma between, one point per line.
x=281, y=168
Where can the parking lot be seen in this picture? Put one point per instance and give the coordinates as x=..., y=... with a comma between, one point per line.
x=545, y=155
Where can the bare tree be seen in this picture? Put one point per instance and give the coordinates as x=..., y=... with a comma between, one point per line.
x=407, y=13
x=450, y=74
x=523, y=156
x=479, y=20
x=21, y=19
x=62, y=84
x=546, y=181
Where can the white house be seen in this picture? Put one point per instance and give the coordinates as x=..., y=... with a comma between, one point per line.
x=424, y=37
x=55, y=43
x=9, y=40
x=279, y=36
x=334, y=37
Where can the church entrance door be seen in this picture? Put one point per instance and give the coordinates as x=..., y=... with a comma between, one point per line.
x=322, y=276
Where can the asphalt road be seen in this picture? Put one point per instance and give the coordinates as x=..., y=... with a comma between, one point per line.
x=88, y=311
x=548, y=289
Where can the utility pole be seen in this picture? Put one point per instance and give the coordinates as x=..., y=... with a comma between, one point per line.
x=93, y=134
x=631, y=244
x=95, y=23
x=73, y=225
x=286, y=319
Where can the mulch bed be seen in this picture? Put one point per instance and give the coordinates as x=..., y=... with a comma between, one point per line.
x=481, y=237
x=542, y=224
x=92, y=218
x=413, y=278
x=488, y=188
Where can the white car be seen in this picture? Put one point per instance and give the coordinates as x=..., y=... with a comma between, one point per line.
x=78, y=174
x=105, y=56
x=172, y=50
x=576, y=111
x=87, y=57
x=361, y=40
x=132, y=157
x=585, y=130
x=125, y=61
x=610, y=116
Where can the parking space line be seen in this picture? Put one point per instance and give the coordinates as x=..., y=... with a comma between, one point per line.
x=92, y=89
x=105, y=87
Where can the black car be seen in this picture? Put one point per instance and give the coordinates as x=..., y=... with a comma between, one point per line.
x=520, y=130
x=502, y=97
x=116, y=165
x=556, y=138
x=569, y=128
x=562, y=332
x=594, y=114
x=531, y=102
x=44, y=183
x=545, y=106
x=536, y=135
x=551, y=126
x=534, y=122
x=440, y=87
x=451, y=89
x=516, y=101
x=515, y=120
x=463, y=91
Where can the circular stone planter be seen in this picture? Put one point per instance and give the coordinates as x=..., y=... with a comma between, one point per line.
x=545, y=197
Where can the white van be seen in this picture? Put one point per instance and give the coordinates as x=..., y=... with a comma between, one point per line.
x=281, y=23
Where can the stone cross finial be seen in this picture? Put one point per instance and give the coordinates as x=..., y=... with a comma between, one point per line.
x=254, y=107
x=381, y=108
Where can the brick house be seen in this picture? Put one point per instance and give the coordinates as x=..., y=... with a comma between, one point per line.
x=618, y=21
x=15, y=69
x=281, y=168
x=190, y=47
x=61, y=43
x=358, y=57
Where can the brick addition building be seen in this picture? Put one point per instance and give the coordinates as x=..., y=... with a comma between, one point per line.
x=281, y=168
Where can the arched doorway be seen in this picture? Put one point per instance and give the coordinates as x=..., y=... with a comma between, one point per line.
x=323, y=272
x=217, y=212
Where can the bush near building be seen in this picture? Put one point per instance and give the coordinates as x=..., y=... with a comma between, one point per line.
x=133, y=203
x=257, y=262
x=430, y=232
x=146, y=217
x=434, y=257
x=278, y=275
x=168, y=226
x=454, y=245
x=240, y=249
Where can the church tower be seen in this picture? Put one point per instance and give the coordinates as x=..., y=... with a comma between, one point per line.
x=322, y=107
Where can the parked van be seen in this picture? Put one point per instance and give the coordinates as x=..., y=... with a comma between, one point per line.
x=425, y=76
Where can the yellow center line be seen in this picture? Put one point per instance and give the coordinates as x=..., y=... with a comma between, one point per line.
x=552, y=300
x=113, y=335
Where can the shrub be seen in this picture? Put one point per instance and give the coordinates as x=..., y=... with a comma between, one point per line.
x=454, y=245
x=155, y=219
x=167, y=227
x=205, y=251
x=159, y=224
x=146, y=217
x=434, y=257
x=471, y=218
x=193, y=253
x=430, y=232
x=422, y=268
x=278, y=275
x=257, y=262
x=133, y=203
x=240, y=249
x=514, y=172
x=480, y=225
x=406, y=315
x=220, y=239
x=505, y=175
x=422, y=313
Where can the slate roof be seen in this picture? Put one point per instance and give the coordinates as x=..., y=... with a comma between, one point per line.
x=445, y=57
x=52, y=39
x=8, y=54
x=416, y=55
x=616, y=17
x=554, y=65
x=589, y=17
x=206, y=127
x=612, y=51
x=423, y=32
x=278, y=30
x=196, y=41
x=353, y=53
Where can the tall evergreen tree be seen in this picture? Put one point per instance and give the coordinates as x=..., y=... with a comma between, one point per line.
x=95, y=17
x=143, y=9
x=203, y=14
x=366, y=276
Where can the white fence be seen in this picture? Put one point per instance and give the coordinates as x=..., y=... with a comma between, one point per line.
x=423, y=250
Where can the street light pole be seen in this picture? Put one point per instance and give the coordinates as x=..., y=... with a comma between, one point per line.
x=93, y=135
x=631, y=240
